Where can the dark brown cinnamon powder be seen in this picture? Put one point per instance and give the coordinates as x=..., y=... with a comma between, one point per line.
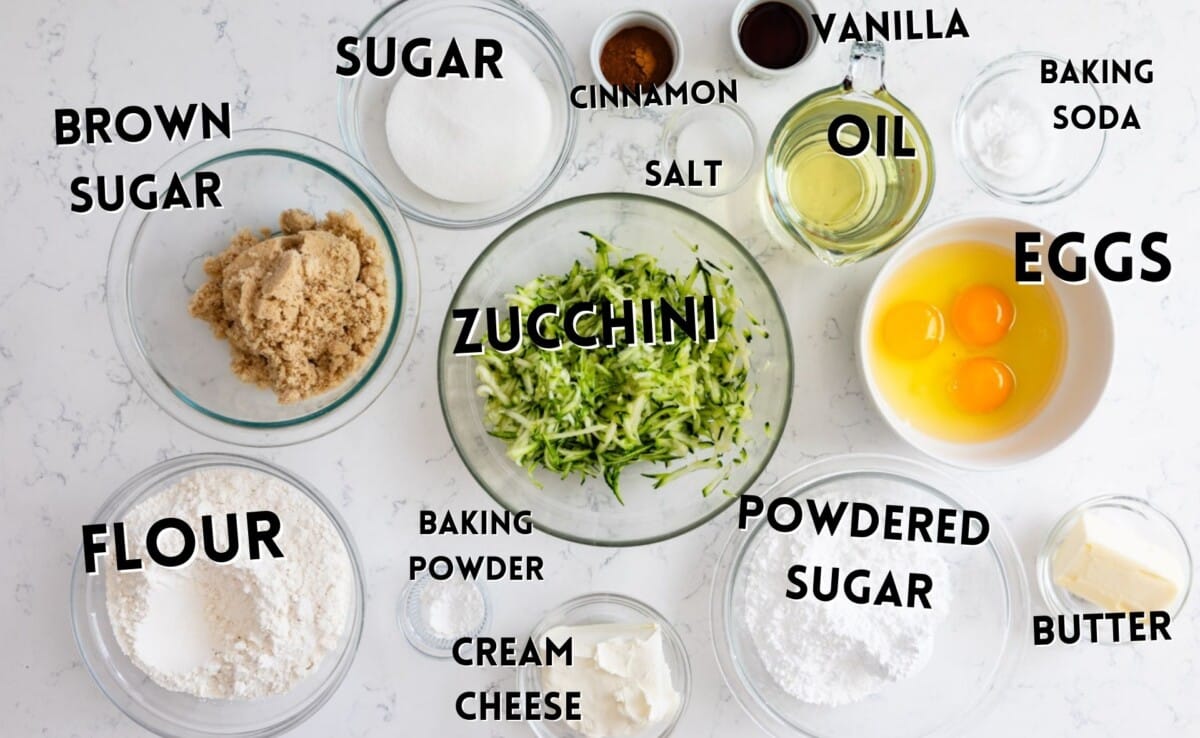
x=637, y=56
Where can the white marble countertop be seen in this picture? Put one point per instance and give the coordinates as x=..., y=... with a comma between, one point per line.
x=73, y=424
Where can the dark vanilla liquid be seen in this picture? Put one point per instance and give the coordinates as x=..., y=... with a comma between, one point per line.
x=774, y=35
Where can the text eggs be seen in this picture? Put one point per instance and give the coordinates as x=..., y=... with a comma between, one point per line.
x=959, y=350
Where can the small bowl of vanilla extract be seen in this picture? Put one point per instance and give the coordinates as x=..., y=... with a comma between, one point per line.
x=772, y=37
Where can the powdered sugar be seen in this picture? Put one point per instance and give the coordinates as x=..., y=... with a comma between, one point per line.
x=242, y=630
x=837, y=652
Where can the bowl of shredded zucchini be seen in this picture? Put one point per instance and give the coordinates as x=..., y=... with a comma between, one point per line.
x=619, y=366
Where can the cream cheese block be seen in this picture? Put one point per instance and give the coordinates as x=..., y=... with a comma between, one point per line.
x=621, y=673
x=1112, y=566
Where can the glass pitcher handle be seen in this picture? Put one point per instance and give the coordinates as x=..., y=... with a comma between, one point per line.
x=866, y=67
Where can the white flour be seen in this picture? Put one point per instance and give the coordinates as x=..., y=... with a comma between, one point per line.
x=837, y=652
x=242, y=630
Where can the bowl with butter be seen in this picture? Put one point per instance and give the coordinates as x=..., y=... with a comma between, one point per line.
x=625, y=661
x=1115, y=554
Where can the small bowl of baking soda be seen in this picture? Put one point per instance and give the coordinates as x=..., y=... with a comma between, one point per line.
x=1012, y=136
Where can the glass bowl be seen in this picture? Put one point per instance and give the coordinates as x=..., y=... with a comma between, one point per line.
x=180, y=715
x=418, y=633
x=1059, y=163
x=734, y=135
x=599, y=609
x=977, y=646
x=363, y=99
x=157, y=262
x=1143, y=518
x=548, y=241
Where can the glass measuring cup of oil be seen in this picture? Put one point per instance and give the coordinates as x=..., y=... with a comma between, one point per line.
x=845, y=207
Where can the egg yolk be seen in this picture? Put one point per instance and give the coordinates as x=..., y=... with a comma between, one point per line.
x=981, y=384
x=912, y=330
x=982, y=315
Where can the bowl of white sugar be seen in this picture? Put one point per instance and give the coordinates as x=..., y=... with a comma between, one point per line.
x=858, y=586
x=461, y=109
x=217, y=595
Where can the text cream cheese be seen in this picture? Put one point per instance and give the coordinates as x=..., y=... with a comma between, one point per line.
x=621, y=674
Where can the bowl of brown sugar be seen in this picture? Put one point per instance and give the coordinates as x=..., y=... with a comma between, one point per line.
x=279, y=315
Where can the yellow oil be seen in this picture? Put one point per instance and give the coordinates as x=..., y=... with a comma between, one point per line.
x=846, y=207
x=827, y=189
x=1034, y=348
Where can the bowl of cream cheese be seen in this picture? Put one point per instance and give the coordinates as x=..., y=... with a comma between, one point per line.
x=628, y=664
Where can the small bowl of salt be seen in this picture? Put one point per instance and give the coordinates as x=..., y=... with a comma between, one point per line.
x=1014, y=137
x=723, y=133
x=434, y=613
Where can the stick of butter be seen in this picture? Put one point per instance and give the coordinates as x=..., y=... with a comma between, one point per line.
x=1111, y=566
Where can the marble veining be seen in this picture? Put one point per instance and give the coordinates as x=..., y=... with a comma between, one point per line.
x=73, y=424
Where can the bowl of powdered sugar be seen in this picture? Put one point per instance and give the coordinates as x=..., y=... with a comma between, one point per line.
x=861, y=587
x=248, y=637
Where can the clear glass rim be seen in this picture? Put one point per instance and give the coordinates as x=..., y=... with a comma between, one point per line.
x=447, y=337
x=119, y=502
x=348, y=125
x=1058, y=601
x=394, y=344
x=527, y=676
x=722, y=612
x=989, y=73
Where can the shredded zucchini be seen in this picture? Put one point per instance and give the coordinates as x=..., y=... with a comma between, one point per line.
x=594, y=412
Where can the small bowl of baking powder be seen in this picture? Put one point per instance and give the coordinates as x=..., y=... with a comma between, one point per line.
x=435, y=613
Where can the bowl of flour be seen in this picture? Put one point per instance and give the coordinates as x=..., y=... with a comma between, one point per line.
x=252, y=646
x=838, y=630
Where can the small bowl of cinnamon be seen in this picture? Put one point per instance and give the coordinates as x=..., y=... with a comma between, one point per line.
x=636, y=48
